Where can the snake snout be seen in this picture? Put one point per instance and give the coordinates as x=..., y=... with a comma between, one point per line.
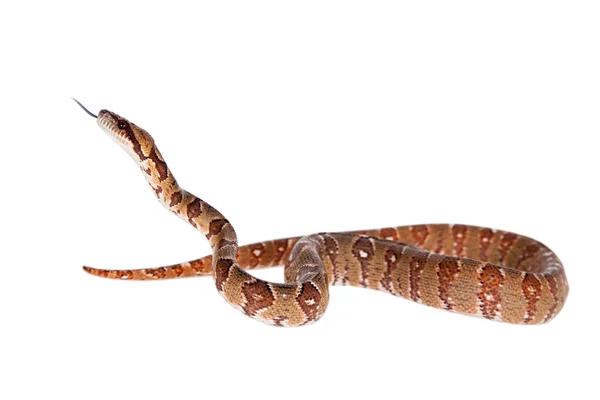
x=106, y=119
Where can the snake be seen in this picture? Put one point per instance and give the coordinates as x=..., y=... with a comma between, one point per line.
x=477, y=271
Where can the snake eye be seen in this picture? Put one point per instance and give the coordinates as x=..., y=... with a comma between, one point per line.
x=122, y=124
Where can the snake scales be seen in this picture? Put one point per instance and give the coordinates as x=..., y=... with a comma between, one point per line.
x=466, y=269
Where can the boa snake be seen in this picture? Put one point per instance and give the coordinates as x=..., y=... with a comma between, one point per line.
x=466, y=269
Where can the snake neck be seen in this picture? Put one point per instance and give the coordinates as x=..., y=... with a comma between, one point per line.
x=141, y=147
x=198, y=213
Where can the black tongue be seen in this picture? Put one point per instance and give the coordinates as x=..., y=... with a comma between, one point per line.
x=84, y=109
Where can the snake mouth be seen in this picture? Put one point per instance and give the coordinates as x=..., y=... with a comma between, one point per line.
x=112, y=124
x=108, y=121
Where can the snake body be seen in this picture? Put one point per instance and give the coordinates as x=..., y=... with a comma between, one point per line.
x=471, y=270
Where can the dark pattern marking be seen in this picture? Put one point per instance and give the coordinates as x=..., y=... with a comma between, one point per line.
x=157, y=273
x=491, y=279
x=256, y=251
x=309, y=300
x=159, y=164
x=176, y=198
x=278, y=320
x=388, y=234
x=448, y=271
x=222, y=272
x=459, y=235
x=363, y=250
x=508, y=239
x=417, y=264
x=178, y=270
x=419, y=233
x=553, y=286
x=331, y=252
x=194, y=209
x=215, y=227
x=258, y=297
x=532, y=290
x=280, y=247
x=528, y=253
x=392, y=261
x=485, y=235
x=198, y=266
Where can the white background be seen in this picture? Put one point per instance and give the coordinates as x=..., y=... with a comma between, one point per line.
x=291, y=118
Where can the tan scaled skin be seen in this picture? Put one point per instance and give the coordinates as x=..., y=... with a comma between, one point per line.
x=465, y=269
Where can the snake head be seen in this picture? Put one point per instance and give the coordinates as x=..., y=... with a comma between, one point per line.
x=136, y=141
